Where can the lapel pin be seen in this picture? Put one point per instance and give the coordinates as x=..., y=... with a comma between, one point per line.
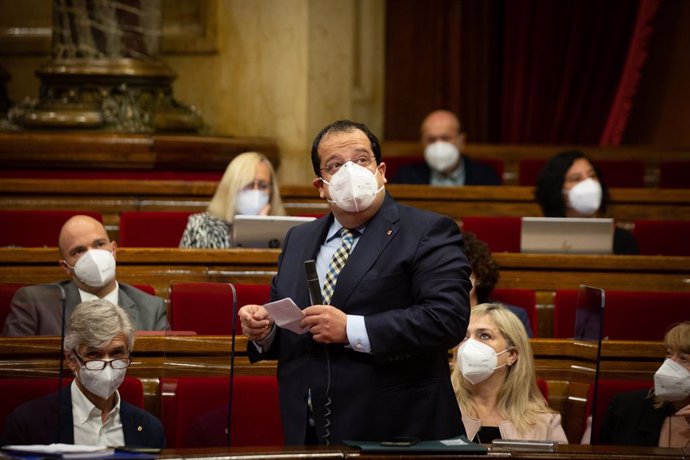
x=139, y=428
x=389, y=232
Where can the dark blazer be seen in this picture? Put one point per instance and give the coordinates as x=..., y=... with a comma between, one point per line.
x=409, y=278
x=38, y=421
x=624, y=242
x=631, y=419
x=36, y=310
x=420, y=173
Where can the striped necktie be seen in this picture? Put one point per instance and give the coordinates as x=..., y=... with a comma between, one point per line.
x=337, y=264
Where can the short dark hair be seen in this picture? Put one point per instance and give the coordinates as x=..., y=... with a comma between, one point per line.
x=484, y=267
x=549, y=190
x=342, y=126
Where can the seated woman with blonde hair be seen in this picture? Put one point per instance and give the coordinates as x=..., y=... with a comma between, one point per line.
x=495, y=383
x=248, y=186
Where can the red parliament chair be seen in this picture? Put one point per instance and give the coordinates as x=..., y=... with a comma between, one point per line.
x=662, y=237
x=194, y=411
x=674, y=174
x=607, y=389
x=525, y=298
x=628, y=315
x=35, y=228
x=152, y=229
x=207, y=307
x=500, y=233
x=17, y=391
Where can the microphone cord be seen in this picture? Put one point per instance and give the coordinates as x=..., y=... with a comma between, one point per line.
x=231, y=384
x=327, y=412
x=63, y=320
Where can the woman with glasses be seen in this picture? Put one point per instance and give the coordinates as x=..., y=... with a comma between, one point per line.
x=97, y=347
x=495, y=383
x=249, y=186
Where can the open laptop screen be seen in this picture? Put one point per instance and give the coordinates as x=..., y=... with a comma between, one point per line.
x=567, y=235
x=263, y=231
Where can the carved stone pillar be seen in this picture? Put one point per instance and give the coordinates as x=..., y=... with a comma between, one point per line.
x=105, y=73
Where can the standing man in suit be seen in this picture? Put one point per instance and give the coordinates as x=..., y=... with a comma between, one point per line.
x=97, y=348
x=373, y=364
x=443, y=142
x=88, y=257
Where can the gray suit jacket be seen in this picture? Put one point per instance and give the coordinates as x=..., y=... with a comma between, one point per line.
x=36, y=310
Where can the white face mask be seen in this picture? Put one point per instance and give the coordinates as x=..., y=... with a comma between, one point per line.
x=441, y=155
x=672, y=381
x=477, y=361
x=95, y=268
x=585, y=197
x=102, y=383
x=353, y=188
x=250, y=202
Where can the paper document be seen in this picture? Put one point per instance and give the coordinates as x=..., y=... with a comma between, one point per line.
x=71, y=451
x=286, y=315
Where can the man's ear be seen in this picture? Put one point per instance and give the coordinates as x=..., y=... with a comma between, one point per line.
x=318, y=185
x=63, y=265
x=71, y=361
x=382, y=171
x=113, y=246
x=461, y=142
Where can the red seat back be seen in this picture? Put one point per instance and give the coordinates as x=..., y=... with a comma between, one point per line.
x=525, y=298
x=544, y=388
x=662, y=237
x=17, y=391
x=607, y=389
x=194, y=411
x=500, y=233
x=628, y=315
x=35, y=228
x=617, y=173
x=674, y=174
x=152, y=229
x=206, y=307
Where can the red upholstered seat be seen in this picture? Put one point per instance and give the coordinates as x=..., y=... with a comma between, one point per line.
x=206, y=307
x=501, y=233
x=17, y=391
x=35, y=228
x=617, y=173
x=607, y=389
x=544, y=388
x=152, y=229
x=674, y=174
x=525, y=298
x=628, y=315
x=147, y=288
x=663, y=237
x=194, y=411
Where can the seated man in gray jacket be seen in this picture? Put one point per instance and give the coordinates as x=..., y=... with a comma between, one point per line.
x=88, y=257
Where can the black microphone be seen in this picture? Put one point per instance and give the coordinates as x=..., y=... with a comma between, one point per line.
x=317, y=299
x=63, y=321
x=313, y=282
x=232, y=358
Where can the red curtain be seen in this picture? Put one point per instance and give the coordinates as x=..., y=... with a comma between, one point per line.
x=563, y=62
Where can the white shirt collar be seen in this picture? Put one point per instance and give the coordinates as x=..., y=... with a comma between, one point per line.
x=112, y=297
x=84, y=410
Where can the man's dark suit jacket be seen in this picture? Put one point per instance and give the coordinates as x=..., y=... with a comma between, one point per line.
x=420, y=173
x=37, y=422
x=36, y=310
x=409, y=278
x=632, y=420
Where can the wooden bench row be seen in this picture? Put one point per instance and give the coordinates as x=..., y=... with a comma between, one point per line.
x=566, y=366
x=110, y=197
x=544, y=273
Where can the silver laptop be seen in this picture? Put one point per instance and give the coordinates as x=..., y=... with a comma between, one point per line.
x=263, y=231
x=567, y=235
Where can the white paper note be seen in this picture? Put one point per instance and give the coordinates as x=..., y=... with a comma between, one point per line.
x=286, y=315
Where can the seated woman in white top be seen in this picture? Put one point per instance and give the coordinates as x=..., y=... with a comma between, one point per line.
x=495, y=383
x=248, y=186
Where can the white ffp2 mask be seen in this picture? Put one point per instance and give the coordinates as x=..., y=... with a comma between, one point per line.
x=95, y=268
x=672, y=381
x=441, y=155
x=102, y=383
x=250, y=202
x=477, y=361
x=353, y=187
x=585, y=197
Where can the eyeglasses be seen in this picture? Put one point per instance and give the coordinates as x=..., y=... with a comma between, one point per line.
x=258, y=184
x=335, y=165
x=100, y=364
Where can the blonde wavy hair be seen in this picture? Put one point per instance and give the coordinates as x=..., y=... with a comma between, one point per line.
x=519, y=398
x=241, y=172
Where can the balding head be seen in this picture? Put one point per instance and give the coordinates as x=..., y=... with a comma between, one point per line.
x=441, y=125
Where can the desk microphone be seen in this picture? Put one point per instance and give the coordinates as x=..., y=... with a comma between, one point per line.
x=317, y=299
x=63, y=321
x=233, y=339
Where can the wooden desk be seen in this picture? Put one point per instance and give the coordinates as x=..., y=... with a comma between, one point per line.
x=566, y=366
